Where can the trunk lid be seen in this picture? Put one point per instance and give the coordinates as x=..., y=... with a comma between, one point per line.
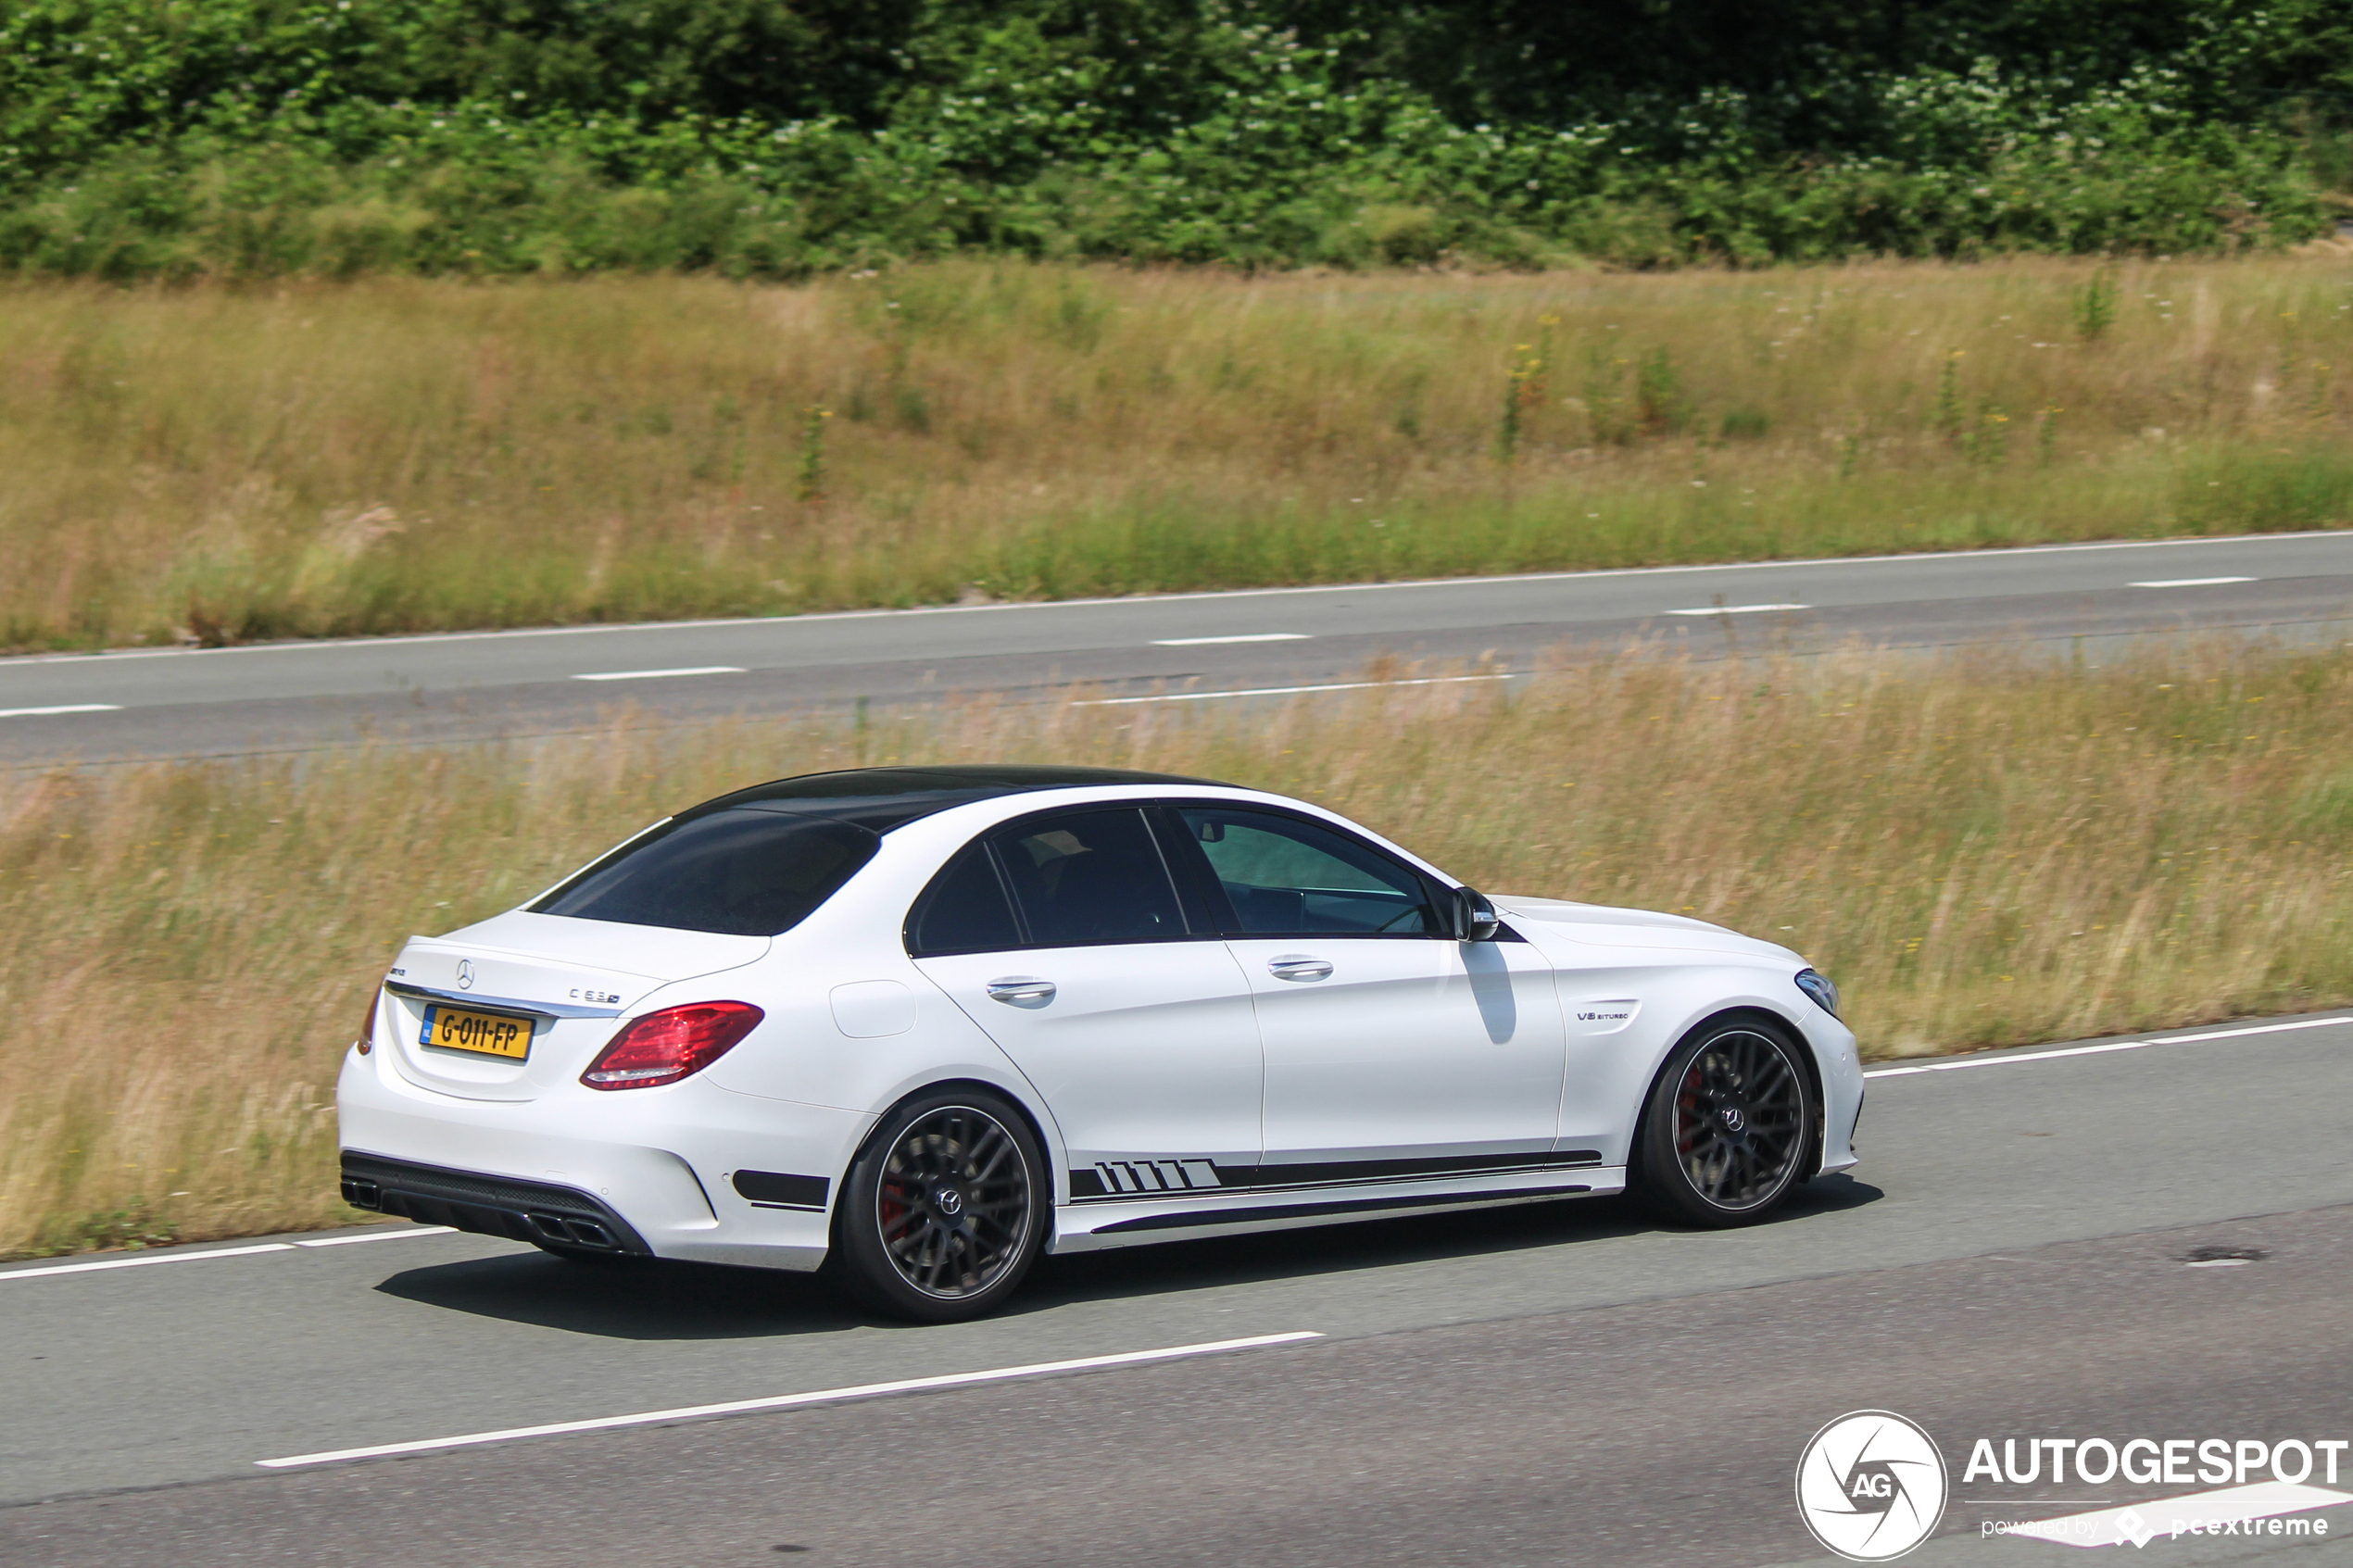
x=571, y=981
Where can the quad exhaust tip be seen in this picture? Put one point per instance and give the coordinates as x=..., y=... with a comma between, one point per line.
x=563, y=1218
x=567, y=1232
x=561, y=1229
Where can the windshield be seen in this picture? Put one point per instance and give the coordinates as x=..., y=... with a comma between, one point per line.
x=745, y=872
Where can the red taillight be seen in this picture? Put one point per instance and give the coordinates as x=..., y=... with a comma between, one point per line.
x=662, y=1048
x=367, y=1041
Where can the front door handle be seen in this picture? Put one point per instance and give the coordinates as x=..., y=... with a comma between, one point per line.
x=1022, y=990
x=1299, y=966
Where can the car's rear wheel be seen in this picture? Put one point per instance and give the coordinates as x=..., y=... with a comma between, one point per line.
x=1729, y=1128
x=944, y=1209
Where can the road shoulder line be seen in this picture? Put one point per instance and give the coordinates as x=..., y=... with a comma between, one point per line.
x=1992, y=1059
x=788, y=1401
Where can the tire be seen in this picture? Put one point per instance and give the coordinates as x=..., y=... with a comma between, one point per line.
x=1727, y=1131
x=944, y=1209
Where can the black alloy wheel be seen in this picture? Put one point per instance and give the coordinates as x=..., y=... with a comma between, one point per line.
x=945, y=1209
x=1730, y=1127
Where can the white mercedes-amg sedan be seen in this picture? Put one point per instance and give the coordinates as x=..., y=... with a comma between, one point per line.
x=917, y=1025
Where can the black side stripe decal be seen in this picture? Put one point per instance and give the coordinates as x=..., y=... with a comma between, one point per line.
x=1338, y=1172
x=1333, y=1206
x=1138, y=1178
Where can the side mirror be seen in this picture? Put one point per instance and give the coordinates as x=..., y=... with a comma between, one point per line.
x=1474, y=918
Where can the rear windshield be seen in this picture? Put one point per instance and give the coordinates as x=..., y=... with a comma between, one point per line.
x=742, y=873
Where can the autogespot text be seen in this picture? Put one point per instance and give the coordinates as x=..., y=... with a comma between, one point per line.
x=2149, y=1461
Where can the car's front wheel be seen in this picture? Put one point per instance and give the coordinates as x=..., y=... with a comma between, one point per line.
x=944, y=1209
x=1729, y=1128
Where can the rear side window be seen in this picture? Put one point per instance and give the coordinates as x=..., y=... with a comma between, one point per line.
x=741, y=873
x=1086, y=877
x=963, y=910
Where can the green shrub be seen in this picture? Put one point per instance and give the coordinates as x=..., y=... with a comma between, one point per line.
x=757, y=138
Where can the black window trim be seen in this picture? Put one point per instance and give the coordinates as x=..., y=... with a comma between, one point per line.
x=1201, y=902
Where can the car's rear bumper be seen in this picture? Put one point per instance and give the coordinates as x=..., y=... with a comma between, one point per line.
x=468, y=1200
x=689, y=1171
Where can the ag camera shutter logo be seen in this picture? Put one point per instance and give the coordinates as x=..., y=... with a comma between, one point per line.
x=1872, y=1486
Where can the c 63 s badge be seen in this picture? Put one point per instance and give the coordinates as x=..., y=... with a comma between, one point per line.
x=1872, y=1486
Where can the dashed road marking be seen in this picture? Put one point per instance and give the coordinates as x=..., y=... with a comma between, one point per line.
x=662, y=674
x=1285, y=691
x=1245, y=637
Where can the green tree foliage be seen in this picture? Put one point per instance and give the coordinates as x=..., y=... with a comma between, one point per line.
x=775, y=136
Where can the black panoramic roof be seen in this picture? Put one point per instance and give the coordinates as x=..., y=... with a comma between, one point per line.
x=883, y=798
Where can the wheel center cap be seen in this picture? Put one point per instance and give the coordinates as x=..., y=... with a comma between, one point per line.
x=1735, y=1119
x=949, y=1202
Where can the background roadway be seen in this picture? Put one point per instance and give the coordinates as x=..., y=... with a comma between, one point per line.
x=1548, y=1385
x=293, y=696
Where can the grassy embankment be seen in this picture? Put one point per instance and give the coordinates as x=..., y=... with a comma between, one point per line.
x=1980, y=851
x=402, y=455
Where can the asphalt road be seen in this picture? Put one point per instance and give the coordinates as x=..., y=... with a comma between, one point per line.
x=291, y=695
x=2016, y=1256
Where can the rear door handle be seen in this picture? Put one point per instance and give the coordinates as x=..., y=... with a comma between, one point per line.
x=1298, y=966
x=1022, y=990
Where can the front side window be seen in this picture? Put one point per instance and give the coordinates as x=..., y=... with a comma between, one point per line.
x=1082, y=877
x=742, y=872
x=1285, y=876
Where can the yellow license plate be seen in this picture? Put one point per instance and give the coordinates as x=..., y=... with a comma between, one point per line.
x=485, y=1034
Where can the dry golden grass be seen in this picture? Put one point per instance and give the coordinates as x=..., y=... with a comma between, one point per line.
x=1980, y=850
x=401, y=453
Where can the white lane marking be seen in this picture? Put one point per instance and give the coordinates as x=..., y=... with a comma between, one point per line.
x=62, y=708
x=380, y=1235
x=784, y=1401
x=2191, y=581
x=1245, y=637
x=1283, y=690
x=2172, y=1517
x=661, y=674
x=1922, y=557
x=2110, y=1045
x=144, y=1260
x=1735, y=610
x=2218, y=1263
